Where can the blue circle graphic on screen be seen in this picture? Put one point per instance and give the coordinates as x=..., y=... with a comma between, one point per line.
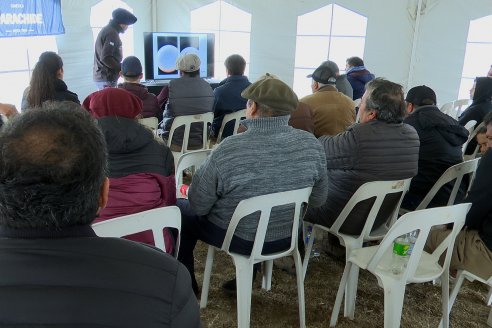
x=166, y=58
x=190, y=50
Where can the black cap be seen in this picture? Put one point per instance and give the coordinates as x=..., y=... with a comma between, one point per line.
x=123, y=16
x=324, y=74
x=417, y=95
x=131, y=66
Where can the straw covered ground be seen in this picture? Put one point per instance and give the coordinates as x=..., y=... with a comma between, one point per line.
x=278, y=307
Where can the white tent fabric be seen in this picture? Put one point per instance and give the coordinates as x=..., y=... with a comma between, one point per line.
x=438, y=55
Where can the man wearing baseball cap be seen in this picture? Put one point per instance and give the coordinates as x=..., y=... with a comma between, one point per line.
x=269, y=157
x=332, y=111
x=342, y=84
x=186, y=95
x=108, y=49
x=131, y=72
x=441, y=139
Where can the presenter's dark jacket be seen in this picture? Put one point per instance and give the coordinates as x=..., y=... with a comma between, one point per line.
x=72, y=278
x=108, y=53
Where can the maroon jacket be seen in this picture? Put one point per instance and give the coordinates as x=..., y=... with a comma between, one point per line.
x=141, y=173
x=150, y=106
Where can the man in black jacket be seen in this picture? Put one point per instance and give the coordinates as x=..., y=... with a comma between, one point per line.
x=108, y=52
x=473, y=246
x=55, y=270
x=441, y=140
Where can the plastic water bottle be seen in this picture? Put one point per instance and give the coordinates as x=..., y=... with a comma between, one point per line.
x=401, y=245
x=314, y=250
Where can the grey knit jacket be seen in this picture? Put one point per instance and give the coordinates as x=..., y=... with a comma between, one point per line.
x=269, y=157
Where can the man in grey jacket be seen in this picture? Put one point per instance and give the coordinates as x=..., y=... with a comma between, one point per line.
x=269, y=157
x=381, y=147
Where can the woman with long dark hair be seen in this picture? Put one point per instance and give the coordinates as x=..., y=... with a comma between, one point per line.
x=47, y=82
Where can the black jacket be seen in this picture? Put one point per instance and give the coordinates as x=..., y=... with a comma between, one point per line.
x=61, y=94
x=372, y=151
x=480, y=107
x=72, y=278
x=108, y=53
x=441, y=139
x=480, y=215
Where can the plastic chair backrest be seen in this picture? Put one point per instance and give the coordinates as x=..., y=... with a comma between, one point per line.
x=155, y=219
x=423, y=221
x=472, y=135
x=193, y=158
x=456, y=173
x=264, y=205
x=151, y=122
x=378, y=189
x=236, y=117
x=447, y=108
x=458, y=106
x=470, y=126
x=186, y=120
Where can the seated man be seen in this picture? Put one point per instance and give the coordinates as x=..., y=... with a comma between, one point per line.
x=441, y=141
x=358, y=76
x=473, y=245
x=342, y=84
x=228, y=94
x=269, y=157
x=131, y=71
x=187, y=95
x=481, y=139
x=332, y=111
x=55, y=270
x=381, y=147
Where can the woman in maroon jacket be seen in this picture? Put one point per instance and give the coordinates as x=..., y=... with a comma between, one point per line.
x=141, y=167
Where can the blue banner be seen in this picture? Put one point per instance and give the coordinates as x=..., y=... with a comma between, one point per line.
x=30, y=18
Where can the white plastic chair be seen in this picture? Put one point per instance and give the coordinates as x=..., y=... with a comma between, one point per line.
x=155, y=219
x=186, y=121
x=378, y=189
x=462, y=274
x=236, y=117
x=421, y=266
x=150, y=122
x=471, y=136
x=447, y=108
x=459, y=105
x=244, y=264
x=191, y=159
x=456, y=173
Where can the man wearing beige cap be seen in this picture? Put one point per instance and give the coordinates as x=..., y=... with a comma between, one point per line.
x=187, y=95
x=332, y=111
x=269, y=157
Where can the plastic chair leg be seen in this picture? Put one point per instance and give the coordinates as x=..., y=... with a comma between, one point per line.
x=206, y=277
x=266, y=282
x=300, y=289
x=351, y=292
x=340, y=293
x=393, y=304
x=452, y=297
x=244, y=278
x=489, y=297
x=309, y=247
x=445, y=298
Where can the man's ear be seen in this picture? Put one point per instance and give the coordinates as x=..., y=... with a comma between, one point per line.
x=104, y=194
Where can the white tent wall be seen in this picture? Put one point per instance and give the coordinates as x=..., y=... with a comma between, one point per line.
x=439, y=50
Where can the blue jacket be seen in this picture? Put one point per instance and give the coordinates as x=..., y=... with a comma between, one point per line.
x=228, y=100
x=358, y=77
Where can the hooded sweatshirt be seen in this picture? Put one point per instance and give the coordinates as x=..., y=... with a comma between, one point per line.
x=441, y=139
x=480, y=106
x=358, y=76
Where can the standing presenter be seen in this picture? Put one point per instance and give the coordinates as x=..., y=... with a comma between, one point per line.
x=108, y=52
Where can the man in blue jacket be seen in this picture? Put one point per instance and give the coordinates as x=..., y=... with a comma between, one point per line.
x=358, y=76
